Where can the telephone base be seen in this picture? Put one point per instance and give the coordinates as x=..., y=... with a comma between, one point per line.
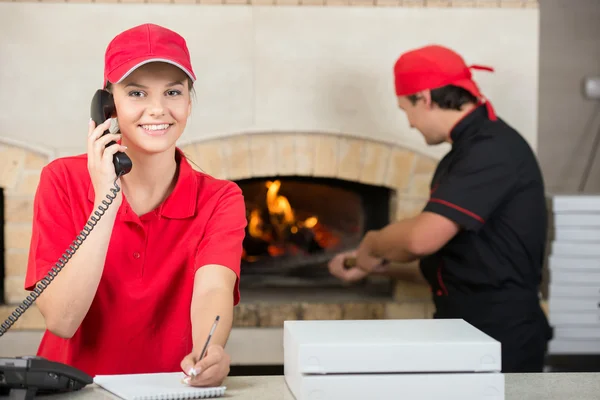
x=24, y=378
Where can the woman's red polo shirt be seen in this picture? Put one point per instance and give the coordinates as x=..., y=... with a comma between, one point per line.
x=139, y=320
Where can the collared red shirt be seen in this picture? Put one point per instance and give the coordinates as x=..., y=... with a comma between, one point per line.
x=139, y=320
x=491, y=185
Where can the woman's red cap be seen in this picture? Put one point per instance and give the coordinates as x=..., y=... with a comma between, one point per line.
x=141, y=45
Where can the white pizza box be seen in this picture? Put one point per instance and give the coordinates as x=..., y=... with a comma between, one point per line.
x=341, y=358
x=577, y=332
x=557, y=304
x=574, y=263
x=574, y=317
x=575, y=203
x=572, y=278
x=384, y=346
x=576, y=221
x=575, y=249
x=577, y=234
x=560, y=346
x=454, y=386
x=557, y=290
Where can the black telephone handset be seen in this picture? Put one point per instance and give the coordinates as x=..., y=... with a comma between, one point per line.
x=24, y=377
x=102, y=108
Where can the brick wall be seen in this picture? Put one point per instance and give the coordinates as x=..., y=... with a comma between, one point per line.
x=403, y=170
x=19, y=176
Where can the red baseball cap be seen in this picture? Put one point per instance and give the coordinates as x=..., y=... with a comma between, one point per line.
x=143, y=44
x=434, y=66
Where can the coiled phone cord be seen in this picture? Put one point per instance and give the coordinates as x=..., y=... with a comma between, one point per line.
x=43, y=284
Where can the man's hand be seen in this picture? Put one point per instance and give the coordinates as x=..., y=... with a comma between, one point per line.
x=336, y=268
x=363, y=265
x=210, y=371
x=364, y=259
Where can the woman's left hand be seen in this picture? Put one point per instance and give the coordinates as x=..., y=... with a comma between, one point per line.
x=210, y=371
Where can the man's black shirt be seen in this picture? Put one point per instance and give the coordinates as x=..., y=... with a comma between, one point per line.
x=489, y=274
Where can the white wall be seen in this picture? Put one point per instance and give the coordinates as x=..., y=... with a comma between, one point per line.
x=569, y=122
x=260, y=68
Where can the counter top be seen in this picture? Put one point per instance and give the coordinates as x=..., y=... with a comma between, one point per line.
x=542, y=386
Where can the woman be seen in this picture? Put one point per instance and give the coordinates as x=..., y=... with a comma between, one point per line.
x=141, y=293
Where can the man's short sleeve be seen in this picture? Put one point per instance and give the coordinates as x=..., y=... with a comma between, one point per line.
x=476, y=183
x=52, y=229
x=222, y=243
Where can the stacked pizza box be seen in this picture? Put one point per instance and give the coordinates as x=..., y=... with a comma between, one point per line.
x=574, y=274
x=391, y=359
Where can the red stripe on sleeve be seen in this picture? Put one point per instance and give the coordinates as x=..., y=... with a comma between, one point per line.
x=462, y=210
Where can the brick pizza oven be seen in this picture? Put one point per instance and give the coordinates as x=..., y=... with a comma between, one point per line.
x=371, y=182
x=403, y=173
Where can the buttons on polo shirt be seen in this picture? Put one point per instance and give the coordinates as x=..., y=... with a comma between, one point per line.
x=136, y=255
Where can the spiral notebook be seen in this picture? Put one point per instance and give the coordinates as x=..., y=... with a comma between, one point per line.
x=168, y=386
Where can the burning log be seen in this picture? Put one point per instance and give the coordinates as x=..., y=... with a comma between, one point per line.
x=274, y=229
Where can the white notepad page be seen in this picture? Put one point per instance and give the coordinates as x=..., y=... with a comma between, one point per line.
x=168, y=386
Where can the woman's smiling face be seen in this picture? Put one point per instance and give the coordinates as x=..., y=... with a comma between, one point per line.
x=153, y=105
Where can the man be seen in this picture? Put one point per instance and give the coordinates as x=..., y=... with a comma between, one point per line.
x=481, y=237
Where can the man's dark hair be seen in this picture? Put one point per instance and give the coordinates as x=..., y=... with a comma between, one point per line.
x=448, y=97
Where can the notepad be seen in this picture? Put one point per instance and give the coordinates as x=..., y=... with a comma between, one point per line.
x=168, y=386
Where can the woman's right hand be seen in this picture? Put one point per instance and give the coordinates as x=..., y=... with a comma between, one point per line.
x=100, y=160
